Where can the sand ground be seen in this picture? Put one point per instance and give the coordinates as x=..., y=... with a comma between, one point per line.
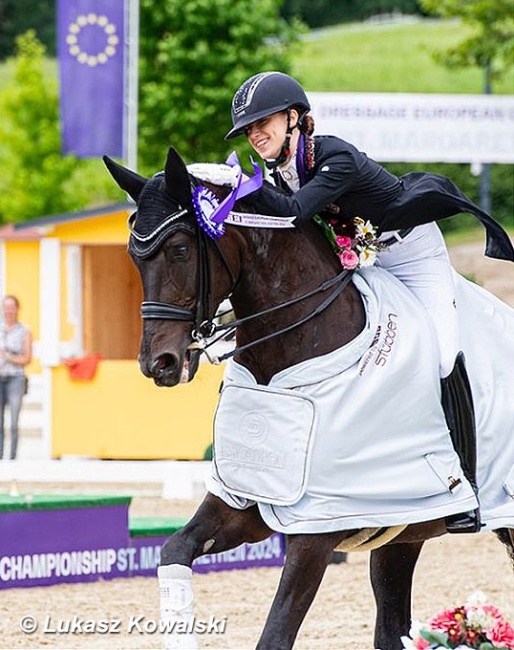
x=341, y=618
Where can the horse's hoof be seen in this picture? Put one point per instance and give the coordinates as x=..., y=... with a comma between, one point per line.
x=464, y=522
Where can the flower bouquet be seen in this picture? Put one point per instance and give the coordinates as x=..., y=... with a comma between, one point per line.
x=354, y=242
x=473, y=625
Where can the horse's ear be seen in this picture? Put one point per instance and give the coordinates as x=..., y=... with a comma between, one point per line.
x=177, y=178
x=128, y=180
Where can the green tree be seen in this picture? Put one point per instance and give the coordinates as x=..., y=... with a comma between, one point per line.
x=194, y=55
x=491, y=45
x=31, y=167
x=35, y=179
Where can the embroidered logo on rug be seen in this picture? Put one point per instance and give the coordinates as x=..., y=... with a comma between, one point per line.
x=382, y=344
x=254, y=428
x=391, y=331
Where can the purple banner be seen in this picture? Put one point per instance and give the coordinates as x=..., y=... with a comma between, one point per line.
x=48, y=547
x=90, y=48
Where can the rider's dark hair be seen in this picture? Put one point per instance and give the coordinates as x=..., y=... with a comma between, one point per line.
x=306, y=124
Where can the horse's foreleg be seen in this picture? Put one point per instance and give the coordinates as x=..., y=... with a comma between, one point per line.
x=391, y=570
x=214, y=528
x=306, y=561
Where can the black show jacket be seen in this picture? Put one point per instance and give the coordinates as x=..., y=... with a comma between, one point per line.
x=357, y=186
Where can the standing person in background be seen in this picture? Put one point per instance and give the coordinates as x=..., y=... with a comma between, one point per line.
x=15, y=354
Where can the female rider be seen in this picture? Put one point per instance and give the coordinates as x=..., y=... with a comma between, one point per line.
x=327, y=176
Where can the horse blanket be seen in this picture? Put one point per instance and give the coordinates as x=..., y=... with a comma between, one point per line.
x=358, y=438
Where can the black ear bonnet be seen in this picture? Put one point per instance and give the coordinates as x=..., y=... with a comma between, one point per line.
x=162, y=217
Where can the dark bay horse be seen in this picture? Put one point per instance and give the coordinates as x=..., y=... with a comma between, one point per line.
x=258, y=269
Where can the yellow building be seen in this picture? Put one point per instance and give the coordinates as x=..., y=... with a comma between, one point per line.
x=80, y=295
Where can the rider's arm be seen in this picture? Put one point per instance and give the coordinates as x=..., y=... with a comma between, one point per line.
x=333, y=176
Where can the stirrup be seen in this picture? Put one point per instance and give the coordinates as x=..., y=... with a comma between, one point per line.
x=464, y=522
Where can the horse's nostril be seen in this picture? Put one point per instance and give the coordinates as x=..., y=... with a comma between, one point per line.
x=164, y=363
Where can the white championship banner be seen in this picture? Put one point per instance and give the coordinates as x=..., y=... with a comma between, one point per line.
x=398, y=127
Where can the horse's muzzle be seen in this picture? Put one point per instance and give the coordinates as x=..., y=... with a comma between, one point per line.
x=168, y=369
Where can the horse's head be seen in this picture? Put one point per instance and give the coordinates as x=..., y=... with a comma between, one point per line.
x=169, y=252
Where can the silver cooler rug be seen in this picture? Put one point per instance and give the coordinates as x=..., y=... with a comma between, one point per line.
x=357, y=438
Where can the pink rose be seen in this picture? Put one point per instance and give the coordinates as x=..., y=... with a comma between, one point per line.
x=421, y=644
x=343, y=242
x=349, y=259
x=501, y=634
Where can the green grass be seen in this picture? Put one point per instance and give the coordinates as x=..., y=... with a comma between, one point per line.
x=387, y=58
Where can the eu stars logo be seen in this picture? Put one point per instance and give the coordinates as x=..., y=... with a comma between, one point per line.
x=92, y=39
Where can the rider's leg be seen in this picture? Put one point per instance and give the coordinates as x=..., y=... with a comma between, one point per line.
x=421, y=262
x=457, y=401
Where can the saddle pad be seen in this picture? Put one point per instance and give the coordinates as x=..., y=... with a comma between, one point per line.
x=263, y=441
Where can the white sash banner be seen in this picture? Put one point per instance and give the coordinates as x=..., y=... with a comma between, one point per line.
x=259, y=220
x=398, y=127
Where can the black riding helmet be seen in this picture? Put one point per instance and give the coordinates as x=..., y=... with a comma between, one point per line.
x=262, y=95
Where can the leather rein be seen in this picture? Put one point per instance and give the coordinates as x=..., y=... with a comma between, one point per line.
x=203, y=315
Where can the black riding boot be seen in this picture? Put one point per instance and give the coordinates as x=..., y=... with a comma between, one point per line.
x=457, y=402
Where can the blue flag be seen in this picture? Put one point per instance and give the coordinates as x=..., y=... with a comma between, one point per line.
x=90, y=46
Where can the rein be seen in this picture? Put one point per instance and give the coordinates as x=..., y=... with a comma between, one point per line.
x=340, y=281
x=202, y=316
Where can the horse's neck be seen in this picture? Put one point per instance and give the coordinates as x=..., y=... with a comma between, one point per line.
x=279, y=265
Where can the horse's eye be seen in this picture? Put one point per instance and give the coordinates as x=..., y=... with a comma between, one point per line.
x=177, y=252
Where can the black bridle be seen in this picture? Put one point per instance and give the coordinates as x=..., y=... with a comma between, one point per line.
x=204, y=314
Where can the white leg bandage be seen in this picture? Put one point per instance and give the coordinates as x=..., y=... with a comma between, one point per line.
x=176, y=598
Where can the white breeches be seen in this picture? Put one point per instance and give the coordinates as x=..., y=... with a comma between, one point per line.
x=421, y=262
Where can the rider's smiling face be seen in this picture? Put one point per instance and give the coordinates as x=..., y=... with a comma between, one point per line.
x=267, y=136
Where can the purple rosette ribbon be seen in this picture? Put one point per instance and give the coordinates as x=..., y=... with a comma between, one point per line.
x=206, y=204
x=210, y=213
